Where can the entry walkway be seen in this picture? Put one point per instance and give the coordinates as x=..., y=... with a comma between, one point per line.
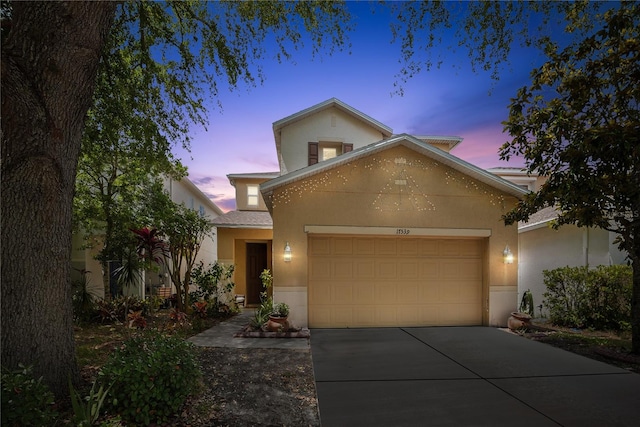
x=464, y=376
x=221, y=335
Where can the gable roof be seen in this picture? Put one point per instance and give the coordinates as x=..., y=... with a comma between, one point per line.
x=329, y=103
x=408, y=141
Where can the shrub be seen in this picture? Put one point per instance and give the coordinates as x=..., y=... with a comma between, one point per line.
x=150, y=377
x=215, y=288
x=25, y=400
x=118, y=309
x=583, y=298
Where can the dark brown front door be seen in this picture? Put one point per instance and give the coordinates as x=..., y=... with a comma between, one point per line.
x=256, y=263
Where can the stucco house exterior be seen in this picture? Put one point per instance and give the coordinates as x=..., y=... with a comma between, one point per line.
x=380, y=229
x=182, y=192
x=543, y=248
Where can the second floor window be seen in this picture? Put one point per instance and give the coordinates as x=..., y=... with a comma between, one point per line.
x=252, y=195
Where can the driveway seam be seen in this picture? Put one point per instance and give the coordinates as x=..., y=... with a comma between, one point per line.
x=487, y=380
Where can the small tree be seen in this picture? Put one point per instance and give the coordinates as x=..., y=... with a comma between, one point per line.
x=184, y=230
x=579, y=125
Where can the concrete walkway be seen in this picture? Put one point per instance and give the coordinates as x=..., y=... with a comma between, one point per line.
x=465, y=376
x=221, y=335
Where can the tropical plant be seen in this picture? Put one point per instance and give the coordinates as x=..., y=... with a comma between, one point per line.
x=261, y=314
x=526, y=303
x=82, y=298
x=87, y=411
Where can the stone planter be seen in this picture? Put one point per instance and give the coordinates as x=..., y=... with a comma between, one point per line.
x=518, y=320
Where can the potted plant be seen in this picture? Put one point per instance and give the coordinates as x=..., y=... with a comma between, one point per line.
x=278, y=318
x=521, y=319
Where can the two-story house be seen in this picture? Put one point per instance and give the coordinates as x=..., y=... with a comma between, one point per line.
x=369, y=228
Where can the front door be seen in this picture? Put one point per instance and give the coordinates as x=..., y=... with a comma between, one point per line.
x=256, y=263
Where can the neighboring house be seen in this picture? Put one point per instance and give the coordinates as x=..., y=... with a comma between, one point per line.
x=543, y=248
x=181, y=192
x=383, y=229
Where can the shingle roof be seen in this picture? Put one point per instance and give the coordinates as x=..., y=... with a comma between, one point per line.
x=244, y=219
x=539, y=219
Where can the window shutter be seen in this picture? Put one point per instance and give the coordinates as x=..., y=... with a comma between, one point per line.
x=347, y=148
x=313, y=153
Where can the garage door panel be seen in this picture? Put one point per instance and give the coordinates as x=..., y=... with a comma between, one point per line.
x=428, y=293
x=385, y=293
x=385, y=315
x=382, y=281
x=342, y=316
x=408, y=270
x=429, y=269
x=364, y=246
x=320, y=294
x=408, y=315
x=343, y=246
x=320, y=269
x=385, y=246
x=319, y=246
x=342, y=294
x=408, y=247
x=386, y=269
x=363, y=316
x=364, y=269
x=428, y=247
x=364, y=293
x=407, y=293
x=342, y=269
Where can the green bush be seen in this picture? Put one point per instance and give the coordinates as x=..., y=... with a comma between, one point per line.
x=25, y=400
x=582, y=298
x=214, y=286
x=150, y=377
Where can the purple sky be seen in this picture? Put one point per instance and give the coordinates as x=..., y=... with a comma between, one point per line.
x=450, y=101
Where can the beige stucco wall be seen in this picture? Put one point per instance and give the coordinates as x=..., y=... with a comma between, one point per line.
x=330, y=125
x=232, y=250
x=364, y=194
x=241, y=185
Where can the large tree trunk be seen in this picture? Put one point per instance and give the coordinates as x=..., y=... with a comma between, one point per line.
x=50, y=58
x=635, y=307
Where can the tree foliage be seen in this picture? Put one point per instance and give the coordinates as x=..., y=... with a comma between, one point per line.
x=183, y=230
x=181, y=54
x=487, y=31
x=578, y=123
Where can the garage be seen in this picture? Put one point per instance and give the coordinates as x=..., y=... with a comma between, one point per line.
x=374, y=281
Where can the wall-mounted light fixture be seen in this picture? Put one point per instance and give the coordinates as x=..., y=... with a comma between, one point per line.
x=508, y=256
x=287, y=252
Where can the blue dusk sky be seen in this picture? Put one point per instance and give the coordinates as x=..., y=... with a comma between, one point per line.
x=450, y=101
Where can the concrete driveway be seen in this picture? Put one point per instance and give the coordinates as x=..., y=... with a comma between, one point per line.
x=464, y=376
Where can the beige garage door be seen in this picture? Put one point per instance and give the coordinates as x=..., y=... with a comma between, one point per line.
x=357, y=281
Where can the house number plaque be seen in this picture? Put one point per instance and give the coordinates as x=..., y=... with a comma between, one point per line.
x=403, y=231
